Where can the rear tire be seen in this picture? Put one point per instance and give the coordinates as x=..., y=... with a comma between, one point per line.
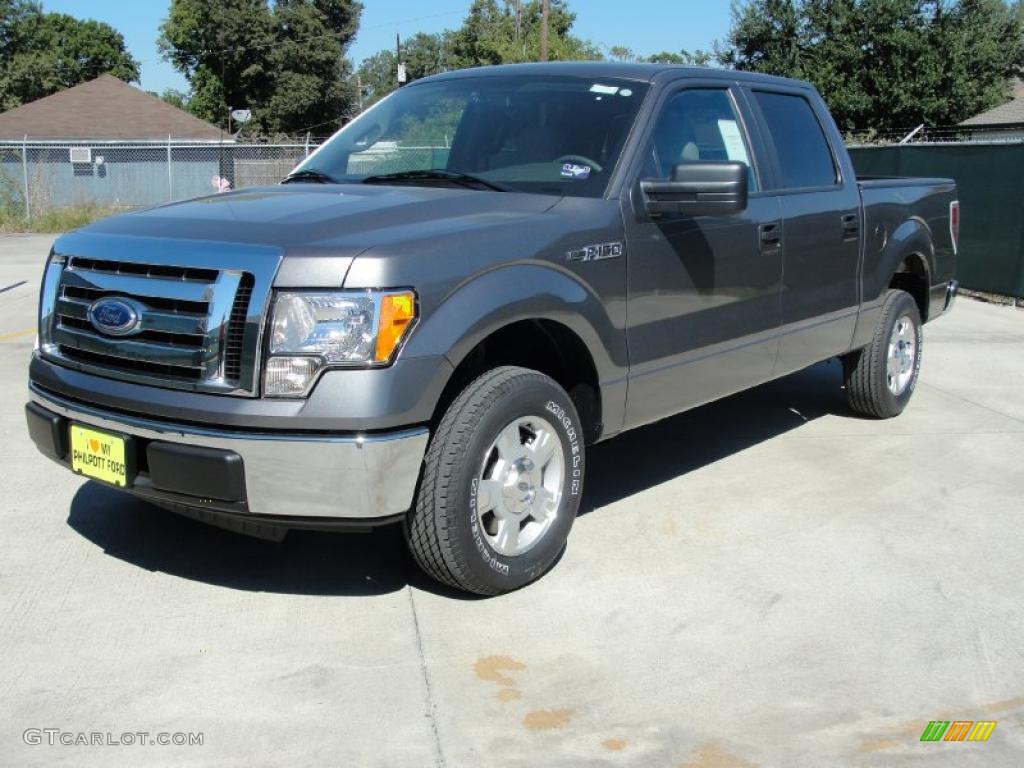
x=881, y=377
x=501, y=485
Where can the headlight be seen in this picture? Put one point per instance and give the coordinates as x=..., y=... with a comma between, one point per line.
x=310, y=331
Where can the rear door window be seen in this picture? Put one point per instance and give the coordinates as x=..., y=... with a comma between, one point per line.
x=805, y=158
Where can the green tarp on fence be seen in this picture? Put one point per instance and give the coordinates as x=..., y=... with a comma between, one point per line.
x=990, y=180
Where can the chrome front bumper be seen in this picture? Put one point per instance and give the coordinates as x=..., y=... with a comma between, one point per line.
x=354, y=477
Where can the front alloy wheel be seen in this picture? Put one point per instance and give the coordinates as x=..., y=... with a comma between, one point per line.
x=501, y=485
x=520, y=485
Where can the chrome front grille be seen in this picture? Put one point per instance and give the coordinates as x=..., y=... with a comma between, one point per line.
x=198, y=327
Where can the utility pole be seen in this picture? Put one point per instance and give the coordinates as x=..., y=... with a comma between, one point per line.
x=519, y=25
x=400, y=74
x=544, y=30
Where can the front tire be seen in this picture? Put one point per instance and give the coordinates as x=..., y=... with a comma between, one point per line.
x=881, y=377
x=501, y=486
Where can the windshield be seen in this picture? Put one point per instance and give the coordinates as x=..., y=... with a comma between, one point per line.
x=549, y=135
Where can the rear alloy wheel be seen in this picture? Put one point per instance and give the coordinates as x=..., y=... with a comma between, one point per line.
x=880, y=378
x=901, y=358
x=501, y=484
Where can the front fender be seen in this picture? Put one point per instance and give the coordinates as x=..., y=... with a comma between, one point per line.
x=535, y=290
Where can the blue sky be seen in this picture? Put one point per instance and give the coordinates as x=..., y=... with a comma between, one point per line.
x=646, y=26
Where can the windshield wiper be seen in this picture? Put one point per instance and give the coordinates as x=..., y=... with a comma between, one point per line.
x=456, y=177
x=309, y=174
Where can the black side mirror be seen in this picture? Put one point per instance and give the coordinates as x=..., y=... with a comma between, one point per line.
x=698, y=189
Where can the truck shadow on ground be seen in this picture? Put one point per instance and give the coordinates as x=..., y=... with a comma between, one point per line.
x=373, y=563
x=305, y=563
x=654, y=454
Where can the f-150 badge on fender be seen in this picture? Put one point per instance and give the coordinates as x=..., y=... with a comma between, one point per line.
x=596, y=252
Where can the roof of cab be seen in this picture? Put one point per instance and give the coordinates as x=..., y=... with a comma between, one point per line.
x=622, y=70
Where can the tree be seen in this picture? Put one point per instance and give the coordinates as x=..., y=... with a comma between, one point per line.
x=698, y=58
x=286, y=64
x=311, y=78
x=423, y=55
x=490, y=34
x=42, y=53
x=885, y=64
x=221, y=48
x=173, y=97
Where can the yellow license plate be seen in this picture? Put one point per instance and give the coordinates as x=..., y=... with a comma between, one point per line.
x=98, y=455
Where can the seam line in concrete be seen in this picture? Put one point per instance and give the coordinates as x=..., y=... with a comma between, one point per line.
x=846, y=435
x=440, y=761
x=972, y=402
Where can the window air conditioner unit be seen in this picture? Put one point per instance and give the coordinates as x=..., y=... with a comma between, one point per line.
x=80, y=154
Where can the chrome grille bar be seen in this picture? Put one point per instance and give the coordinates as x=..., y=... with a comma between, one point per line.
x=153, y=320
x=141, y=287
x=161, y=354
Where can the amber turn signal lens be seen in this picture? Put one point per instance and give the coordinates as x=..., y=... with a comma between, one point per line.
x=396, y=312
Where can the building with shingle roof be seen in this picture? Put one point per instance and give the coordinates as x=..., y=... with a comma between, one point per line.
x=1005, y=121
x=104, y=109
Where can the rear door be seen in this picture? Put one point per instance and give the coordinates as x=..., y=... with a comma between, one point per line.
x=703, y=291
x=821, y=212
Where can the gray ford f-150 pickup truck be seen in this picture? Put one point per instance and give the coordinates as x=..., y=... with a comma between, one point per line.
x=435, y=314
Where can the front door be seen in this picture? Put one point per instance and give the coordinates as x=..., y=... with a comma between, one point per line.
x=703, y=292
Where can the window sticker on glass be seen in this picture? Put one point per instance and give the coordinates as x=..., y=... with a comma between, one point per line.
x=733, y=141
x=574, y=171
x=598, y=88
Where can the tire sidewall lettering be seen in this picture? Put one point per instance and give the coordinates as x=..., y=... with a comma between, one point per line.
x=576, y=459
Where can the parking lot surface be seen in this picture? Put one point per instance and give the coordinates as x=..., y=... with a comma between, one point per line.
x=765, y=581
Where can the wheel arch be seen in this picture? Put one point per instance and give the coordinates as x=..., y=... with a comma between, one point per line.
x=538, y=317
x=906, y=263
x=913, y=276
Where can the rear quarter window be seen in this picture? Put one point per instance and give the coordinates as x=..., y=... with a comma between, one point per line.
x=805, y=158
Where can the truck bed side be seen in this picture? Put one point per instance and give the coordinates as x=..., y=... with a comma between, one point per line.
x=906, y=227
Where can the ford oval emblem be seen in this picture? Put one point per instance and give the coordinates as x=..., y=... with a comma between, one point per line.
x=115, y=317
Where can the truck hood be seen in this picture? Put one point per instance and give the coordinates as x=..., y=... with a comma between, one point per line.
x=332, y=219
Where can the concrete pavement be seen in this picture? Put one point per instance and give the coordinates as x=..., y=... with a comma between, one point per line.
x=765, y=581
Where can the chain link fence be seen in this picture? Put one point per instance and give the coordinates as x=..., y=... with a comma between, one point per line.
x=40, y=176
x=924, y=134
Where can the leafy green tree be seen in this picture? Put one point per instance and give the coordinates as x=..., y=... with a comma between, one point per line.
x=173, y=97
x=698, y=58
x=42, y=53
x=222, y=49
x=285, y=63
x=489, y=34
x=311, y=78
x=423, y=55
x=885, y=64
